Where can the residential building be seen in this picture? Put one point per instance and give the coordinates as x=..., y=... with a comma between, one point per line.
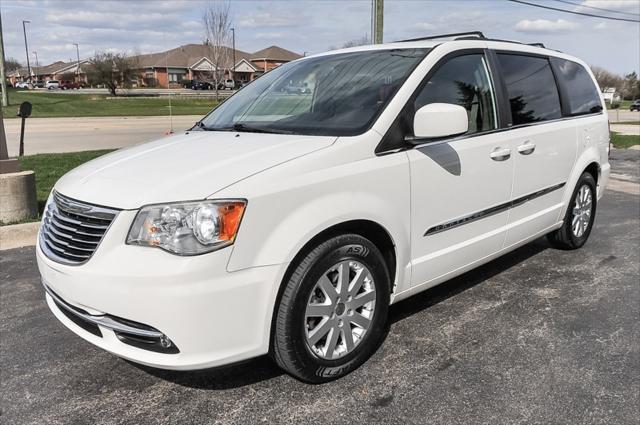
x=196, y=62
x=56, y=71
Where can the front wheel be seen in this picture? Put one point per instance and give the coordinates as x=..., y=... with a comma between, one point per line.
x=333, y=311
x=578, y=220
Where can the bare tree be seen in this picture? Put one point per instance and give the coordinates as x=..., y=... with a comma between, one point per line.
x=217, y=24
x=11, y=64
x=364, y=40
x=113, y=70
x=607, y=79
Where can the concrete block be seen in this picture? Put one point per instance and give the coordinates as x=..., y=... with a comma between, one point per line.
x=18, y=196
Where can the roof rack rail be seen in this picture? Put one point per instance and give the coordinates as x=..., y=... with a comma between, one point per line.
x=470, y=34
x=504, y=41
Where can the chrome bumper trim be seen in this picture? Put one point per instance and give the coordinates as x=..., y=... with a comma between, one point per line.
x=102, y=320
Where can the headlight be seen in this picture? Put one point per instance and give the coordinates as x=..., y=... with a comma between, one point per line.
x=187, y=228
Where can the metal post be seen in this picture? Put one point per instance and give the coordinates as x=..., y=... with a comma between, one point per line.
x=21, y=153
x=78, y=66
x=37, y=65
x=3, y=83
x=233, y=35
x=26, y=48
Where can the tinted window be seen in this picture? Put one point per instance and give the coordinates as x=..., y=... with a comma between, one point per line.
x=464, y=81
x=531, y=87
x=582, y=94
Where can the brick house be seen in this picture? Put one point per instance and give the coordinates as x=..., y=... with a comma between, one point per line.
x=54, y=71
x=193, y=62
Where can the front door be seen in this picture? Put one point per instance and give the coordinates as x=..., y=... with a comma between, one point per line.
x=460, y=189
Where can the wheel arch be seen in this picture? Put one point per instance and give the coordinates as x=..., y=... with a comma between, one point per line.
x=369, y=229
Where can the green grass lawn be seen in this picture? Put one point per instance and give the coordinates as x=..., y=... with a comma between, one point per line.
x=47, y=104
x=624, y=105
x=623, y=141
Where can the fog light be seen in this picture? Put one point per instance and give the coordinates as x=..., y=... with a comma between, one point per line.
x=165, y=342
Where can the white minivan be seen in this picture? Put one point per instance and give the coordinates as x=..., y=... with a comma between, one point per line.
x=287, y=223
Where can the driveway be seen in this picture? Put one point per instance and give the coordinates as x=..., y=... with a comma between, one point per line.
x=538, y=336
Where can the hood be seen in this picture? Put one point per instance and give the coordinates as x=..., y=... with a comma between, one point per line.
x=183, y=167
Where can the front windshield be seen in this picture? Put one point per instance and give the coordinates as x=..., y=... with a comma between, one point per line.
x=334, y=95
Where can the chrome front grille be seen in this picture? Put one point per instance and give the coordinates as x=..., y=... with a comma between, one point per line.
x=72, y=230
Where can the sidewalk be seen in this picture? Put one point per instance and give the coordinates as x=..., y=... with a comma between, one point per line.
x=49, y=135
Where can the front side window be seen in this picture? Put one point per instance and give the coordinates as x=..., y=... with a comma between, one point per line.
x=582, y=94
x=464, y=81
x=334, y=95
x=531, y=87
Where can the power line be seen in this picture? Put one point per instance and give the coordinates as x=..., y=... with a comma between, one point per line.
x=575, y=13
x=597, y=8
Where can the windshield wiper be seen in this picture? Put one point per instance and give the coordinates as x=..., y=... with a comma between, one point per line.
x=243, y=128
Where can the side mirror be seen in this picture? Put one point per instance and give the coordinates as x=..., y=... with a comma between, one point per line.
x=438, y=120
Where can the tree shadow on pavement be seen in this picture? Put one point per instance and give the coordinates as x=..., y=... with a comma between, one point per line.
x=263, y=368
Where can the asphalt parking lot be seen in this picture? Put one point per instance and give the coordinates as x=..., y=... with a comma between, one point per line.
x=538, y=336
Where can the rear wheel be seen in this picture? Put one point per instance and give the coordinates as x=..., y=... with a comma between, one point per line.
x=333, y=311
x=578, y=220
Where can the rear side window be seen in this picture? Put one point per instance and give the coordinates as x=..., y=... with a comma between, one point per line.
x=582, y=94
x=464, y=81
x=531, y=87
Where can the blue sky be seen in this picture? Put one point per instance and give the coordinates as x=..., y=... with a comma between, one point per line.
x=313, y=26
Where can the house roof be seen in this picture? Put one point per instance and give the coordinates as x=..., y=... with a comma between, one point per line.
x=186, y=56
x=53, y=68
x=275, y=53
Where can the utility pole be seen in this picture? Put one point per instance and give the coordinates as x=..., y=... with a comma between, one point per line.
x=78, y=57
x=377, y=21
x=233, y=37
x=35, y=53
x=26, y=48
x=3, y=83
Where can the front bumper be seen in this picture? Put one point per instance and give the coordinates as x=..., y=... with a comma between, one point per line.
x=214, y=317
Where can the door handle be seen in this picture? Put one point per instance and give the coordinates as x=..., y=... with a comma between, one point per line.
x=527, y=148
x=500, y=154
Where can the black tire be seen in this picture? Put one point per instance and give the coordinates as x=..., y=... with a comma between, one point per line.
x=289, y=345
x=564, y=238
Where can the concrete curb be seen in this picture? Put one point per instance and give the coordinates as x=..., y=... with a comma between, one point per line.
x=18, y=235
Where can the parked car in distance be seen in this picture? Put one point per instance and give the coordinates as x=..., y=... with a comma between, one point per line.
x=297, y=87
x=69, y=85
x=52, y=84
x=287, y=225
x=227, y=84
x=635, y=105
x=39, y=84
x=24, y=85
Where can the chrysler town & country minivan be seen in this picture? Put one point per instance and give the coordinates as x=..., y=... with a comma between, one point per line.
x=287, y=223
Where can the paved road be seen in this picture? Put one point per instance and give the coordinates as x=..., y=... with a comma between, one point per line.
x=45, y=135
x=538, y=336
x=628, y=129
x=620, y=115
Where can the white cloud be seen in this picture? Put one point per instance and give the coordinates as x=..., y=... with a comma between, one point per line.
x=268, y=19
x=545, y=26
